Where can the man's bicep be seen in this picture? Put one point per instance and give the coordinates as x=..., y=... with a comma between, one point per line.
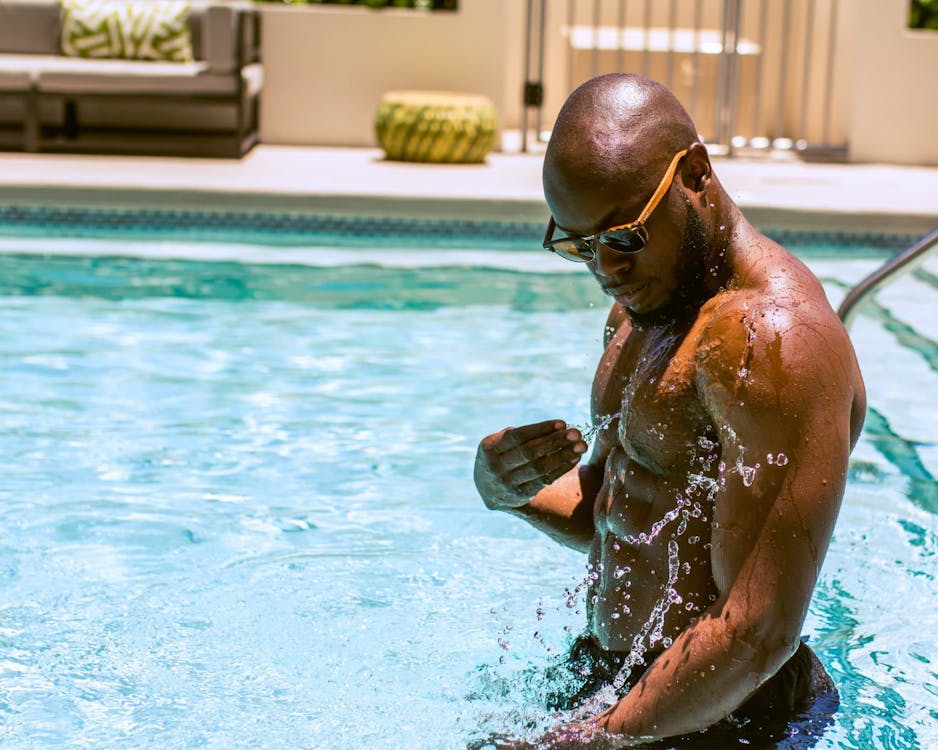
x=783, y=420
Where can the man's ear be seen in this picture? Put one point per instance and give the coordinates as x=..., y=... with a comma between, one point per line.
x=696, y=171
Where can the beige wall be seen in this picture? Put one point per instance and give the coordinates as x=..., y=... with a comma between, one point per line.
x=894, y=93
x=327, y=67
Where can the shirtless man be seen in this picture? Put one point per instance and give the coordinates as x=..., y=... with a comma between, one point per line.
x=707, y=507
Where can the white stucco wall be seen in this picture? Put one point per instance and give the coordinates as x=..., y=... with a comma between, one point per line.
x=326, y=67
x=894, y=91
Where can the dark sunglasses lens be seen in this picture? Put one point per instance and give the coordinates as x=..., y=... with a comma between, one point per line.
x=572, y=249
x=623, y=240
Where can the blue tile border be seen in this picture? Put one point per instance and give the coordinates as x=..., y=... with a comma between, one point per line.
x=173, y=222
x=283, y=228
x=878, y=240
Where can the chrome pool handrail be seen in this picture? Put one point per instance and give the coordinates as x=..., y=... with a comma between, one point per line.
x=904, y=261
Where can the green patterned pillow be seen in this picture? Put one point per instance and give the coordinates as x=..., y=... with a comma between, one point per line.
x=127, y=29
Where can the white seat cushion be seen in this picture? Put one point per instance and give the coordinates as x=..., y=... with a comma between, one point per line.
x=83, y=76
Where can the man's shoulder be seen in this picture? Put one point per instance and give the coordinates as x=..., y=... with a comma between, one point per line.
x=776, y=313
x=770, y=288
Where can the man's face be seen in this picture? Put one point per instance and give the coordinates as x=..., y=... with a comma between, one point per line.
x=662, y=283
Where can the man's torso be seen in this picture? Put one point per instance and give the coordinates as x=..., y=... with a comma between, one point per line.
x=650, y=556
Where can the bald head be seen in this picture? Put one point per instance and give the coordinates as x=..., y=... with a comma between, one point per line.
x=614, y=127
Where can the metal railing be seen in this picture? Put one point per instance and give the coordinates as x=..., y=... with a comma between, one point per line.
x=753, y=74
x=902, y=263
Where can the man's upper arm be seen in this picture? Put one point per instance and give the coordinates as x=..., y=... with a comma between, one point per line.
x=779, y=385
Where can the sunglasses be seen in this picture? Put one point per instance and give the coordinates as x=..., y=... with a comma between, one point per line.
x=625, y=238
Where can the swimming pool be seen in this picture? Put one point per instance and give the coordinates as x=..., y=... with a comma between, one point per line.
x=237, y=507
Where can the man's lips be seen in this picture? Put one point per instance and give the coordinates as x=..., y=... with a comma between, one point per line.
x=624, y=291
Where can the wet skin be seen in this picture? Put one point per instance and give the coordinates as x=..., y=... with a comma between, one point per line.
x=647, y=458
x=763, y=367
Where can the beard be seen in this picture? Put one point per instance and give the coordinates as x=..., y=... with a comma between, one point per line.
x=693, y=255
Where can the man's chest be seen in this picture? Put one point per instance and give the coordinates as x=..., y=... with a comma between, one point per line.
x=649, y=380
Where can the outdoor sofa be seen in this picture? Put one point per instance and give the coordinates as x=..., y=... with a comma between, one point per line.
x=192, y=90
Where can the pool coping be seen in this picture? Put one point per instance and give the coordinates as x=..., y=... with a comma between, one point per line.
x=424, y=209
x=774, y=193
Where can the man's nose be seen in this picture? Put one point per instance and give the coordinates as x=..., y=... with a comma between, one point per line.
x=610, y=262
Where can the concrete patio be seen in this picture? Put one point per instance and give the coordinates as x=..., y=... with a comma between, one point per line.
x=774, y=190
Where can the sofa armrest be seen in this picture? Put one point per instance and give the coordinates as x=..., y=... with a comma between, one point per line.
x=228, y=36
x=220, y=38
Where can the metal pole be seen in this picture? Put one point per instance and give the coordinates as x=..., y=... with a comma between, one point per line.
x=783, y=67
x=757, y=115
x=672, y=22
x=806, y=71
x=732, y=67
x=721, y=76
x=698, y=23
x=828, y=94
x=594, y=60
x=540, y=70
x=571, y=17
x=527, y=77
x=646, y=53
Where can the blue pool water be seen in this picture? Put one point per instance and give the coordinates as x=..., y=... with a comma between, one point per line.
x=236, y=508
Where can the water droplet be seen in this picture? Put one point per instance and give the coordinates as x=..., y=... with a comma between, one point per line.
x=781, y=459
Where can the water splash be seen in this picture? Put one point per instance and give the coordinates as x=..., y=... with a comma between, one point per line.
x=695, y=501
x=652, y=630
x=601, y=423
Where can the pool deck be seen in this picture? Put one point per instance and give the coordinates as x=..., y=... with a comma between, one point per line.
x=773, y=190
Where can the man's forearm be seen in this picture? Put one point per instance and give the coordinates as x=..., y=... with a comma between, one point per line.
x=708, y=672
x=571, y=532
x=564, y=509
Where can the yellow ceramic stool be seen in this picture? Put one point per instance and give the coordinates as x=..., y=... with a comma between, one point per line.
x=436, y=126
